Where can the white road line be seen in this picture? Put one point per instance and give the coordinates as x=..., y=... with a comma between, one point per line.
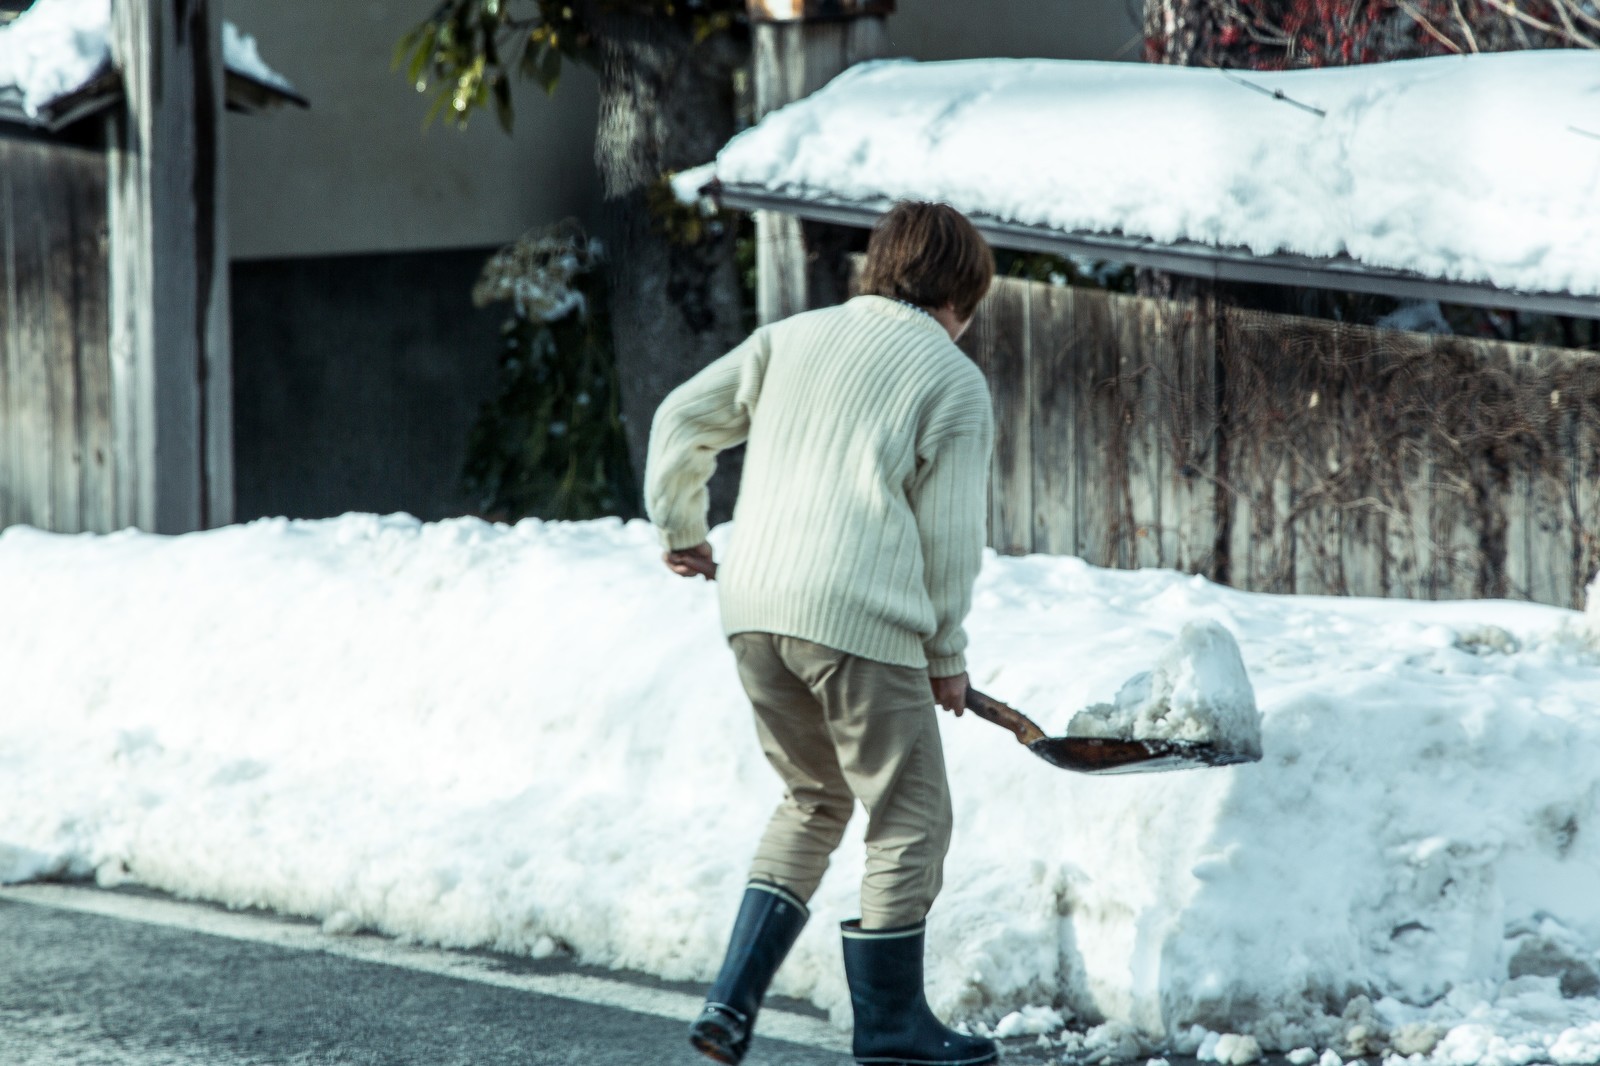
x=584, y=988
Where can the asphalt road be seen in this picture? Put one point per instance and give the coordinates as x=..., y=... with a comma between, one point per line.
x=79, y=988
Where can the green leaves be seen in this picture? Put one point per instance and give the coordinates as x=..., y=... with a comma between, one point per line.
x=551, y=444
x=467, y=52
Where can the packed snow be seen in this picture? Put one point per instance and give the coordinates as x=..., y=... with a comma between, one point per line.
x=1198, y=692
x=1482, y=168
x=531, y=738
x=58, y=46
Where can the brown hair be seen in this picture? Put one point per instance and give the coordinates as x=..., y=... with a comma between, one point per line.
x=929, y=255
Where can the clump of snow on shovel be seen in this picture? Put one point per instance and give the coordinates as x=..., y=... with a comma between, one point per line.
x=1198, y=692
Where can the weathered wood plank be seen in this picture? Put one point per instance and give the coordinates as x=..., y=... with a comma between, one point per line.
x=1584, y=484
x=791, y=60
x=33, y=441
x=64, y=354
x=1398, y=413
x=1006, y=342
x=1187, y=414
x=1100, y=469
x=52, y=204
x=169, y=277
x=10, y=320
x=1319, y=470
x=91, y=326
x=1460, y=476
x=1054, y=418
x=1147, y=368
x=1260, y=468
x=1365, y=510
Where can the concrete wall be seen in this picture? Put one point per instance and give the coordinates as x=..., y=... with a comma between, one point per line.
x=357, y=173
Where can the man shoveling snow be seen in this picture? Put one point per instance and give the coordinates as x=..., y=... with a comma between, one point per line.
x=858, y=534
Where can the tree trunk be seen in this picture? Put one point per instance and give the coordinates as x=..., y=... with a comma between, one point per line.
x=666, y=103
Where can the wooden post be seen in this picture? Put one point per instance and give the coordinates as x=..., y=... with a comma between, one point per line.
x=171, y=379
x=800, y=45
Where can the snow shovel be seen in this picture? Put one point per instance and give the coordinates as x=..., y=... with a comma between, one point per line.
x=1086, y=755
x=1101, y=755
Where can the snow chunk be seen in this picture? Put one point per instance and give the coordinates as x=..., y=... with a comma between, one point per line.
x=1301, y=1056
x=686, y=184
x=54, y=48
x=239, y=51
x=1198, y=692
x=1229, y=1049
x=1029, y=1021
x=1591, y=603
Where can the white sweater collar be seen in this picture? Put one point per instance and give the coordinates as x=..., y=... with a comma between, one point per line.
x=882, y=305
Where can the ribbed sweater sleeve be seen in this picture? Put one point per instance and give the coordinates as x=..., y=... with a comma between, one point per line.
x=950, y=500
x=706, y=414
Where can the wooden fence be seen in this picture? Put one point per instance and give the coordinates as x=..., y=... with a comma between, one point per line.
x=1286, y=454
x=56, y=436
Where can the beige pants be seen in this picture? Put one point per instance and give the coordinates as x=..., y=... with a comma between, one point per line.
x=839, y=728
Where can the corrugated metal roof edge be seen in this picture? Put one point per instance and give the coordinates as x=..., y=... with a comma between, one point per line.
x=1186, y=257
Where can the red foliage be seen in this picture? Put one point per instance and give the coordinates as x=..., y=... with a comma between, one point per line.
x=1283, y=34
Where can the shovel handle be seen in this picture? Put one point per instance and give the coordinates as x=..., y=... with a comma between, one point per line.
x=1003, y=716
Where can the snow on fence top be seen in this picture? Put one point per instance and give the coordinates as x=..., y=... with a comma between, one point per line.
x=1481, y=168
x=57, y=47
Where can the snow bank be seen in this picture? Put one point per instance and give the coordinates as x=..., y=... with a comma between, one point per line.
x=57, y=46
x=532, y=737
x=1472, y=168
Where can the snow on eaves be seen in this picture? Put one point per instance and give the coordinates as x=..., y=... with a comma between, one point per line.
x=1482, y=168
x=57, y=47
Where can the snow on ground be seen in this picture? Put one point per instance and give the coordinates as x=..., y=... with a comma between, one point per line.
x=532, y=738
x=1473, y=168
x=57, y=46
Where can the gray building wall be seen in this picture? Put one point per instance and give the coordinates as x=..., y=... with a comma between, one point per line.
x=356, y=380
x=359, y=362
x=357, y=172
x=1022, y=29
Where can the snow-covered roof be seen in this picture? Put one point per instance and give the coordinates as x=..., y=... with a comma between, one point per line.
x=59, y=51
x=1481, y=169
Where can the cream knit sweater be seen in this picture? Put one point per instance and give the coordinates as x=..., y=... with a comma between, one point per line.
x=863, y=505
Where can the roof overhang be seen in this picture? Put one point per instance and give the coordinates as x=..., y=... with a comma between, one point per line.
x=245, y=95
x=1342, y=273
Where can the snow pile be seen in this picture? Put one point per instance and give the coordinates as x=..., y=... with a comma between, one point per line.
x=1199, y=692
x=57, y=47
x=532, y=738
x=54, y=48
x=243, y=56
x=1399, y=169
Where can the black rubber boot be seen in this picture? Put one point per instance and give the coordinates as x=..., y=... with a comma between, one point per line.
x=769, y=920
x=894, y=1025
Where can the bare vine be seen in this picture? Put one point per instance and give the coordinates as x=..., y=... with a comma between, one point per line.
x=1289, y=34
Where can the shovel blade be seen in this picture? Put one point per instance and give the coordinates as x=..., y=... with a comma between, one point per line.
x=1102, y=755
